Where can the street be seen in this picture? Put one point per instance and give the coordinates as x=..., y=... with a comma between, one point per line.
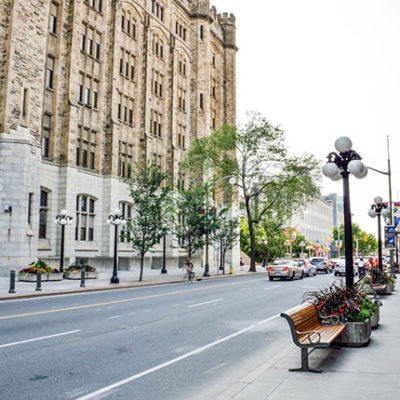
x=171, y=342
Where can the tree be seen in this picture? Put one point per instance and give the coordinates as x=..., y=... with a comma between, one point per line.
x=365, y=242
x=268, y=177
x=188, y=221
x=151, y=210
x=226, y=235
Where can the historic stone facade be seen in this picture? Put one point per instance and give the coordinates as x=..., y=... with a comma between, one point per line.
x=101, y=85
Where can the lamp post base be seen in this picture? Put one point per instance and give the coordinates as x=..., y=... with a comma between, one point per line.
x=206, y=270
x=164, y=270
x=114, y=279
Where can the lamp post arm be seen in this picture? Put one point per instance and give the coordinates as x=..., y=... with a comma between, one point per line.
x=380, y=172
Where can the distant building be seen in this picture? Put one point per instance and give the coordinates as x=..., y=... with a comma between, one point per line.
x=338, y=208
x=315, y=222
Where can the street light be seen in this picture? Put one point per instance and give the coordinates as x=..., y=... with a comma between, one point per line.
x=309, y=248
x=116, y=219
x=377, y=209
x=63, y=219
x=341, y=165
x=232, y=181
x=302, y=244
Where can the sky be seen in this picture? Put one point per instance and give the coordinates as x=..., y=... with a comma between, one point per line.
x=322, y=69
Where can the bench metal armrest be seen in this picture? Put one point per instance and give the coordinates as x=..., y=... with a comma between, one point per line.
x=309, y=333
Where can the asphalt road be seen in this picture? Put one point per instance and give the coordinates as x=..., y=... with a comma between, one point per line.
x=169, y=342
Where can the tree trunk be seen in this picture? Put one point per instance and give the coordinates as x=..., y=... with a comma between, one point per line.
x=252, y=236
x=141, y=267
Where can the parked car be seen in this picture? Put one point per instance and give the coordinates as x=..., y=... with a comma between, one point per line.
x=309, y=269
x=285, y=269
x=340, y=270
x=321, y=264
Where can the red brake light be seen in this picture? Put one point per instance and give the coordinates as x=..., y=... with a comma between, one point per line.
x=285, y=269
x=324, y=263
x=269, y=268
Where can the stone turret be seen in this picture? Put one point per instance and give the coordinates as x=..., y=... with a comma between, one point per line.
x=228, y=23
x=200, y=8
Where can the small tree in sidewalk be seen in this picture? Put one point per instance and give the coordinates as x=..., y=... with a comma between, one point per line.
x=226, y=235
x=188, y=220
x=151, y=211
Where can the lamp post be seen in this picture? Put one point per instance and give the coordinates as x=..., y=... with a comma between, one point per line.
x=379, y=209
x=164, y=267
x=232, y=181
x=116, y=219
x=339, y=166
x=309, y=248
x=390, y=215
x=63, y=219
x=302, y=244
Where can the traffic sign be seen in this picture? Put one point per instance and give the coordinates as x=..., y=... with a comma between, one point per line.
x=390, y=242
x=390, y=230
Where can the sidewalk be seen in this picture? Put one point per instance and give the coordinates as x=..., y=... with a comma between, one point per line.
x=368, y=373
x=128, y=279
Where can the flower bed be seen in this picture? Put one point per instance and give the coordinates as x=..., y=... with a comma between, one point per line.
x=74, y=272
x=47, y=273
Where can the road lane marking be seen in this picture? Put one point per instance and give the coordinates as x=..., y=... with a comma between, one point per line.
x=206, y=302
x=129, y=300
x=115, y=316
x=132, y=378
x=39, y=338
x=272, y=287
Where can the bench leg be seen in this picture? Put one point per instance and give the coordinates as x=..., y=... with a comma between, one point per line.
x=304, y=363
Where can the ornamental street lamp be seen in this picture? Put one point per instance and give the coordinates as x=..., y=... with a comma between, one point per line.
x=116, y=219
x=379, y=209
x=164, y=267
x=339, y=166
x=302, y=244
x=63, y=219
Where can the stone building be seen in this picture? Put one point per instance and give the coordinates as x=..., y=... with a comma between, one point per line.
x=87, y=89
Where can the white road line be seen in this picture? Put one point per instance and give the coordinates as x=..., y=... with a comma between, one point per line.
x=206, y=302
x=272, y=287
x=173, y=361
x=39, y=338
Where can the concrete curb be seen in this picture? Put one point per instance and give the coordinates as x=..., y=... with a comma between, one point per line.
x=103, y=289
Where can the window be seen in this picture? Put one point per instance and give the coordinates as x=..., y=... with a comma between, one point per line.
x=46, y=131
x=43, y=214
x=126, y=212
x=214, y=119
x=49, y=72
x=25, y=105
x=201, y=32
x=181, y=136
x=180, y=30
x=201, y=101
x=30, y=205
x=95, y=93
x=125, y=160
x=53, y=18
x=87, y=91
x=214, y=61
x=83, y=38
x=97, y=51
x=213, y=88
x=95, y=4
x=132, y=67
x=90, y=41
x=85, y=213
x=86, y=148
x=156, y=124
x=80, y=88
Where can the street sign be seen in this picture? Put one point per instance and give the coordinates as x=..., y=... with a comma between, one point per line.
x=390, y=242
x=390, y=230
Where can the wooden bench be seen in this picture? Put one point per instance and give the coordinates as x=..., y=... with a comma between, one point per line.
x=308, y=332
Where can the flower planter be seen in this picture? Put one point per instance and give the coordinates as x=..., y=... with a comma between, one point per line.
x=387, y=289
x=375, y=319
x=368, y=289
x=27, y=277
x=77, y=275
x=54, y=276
x=356, y=334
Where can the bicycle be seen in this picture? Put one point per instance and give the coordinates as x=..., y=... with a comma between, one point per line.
x=188, y=276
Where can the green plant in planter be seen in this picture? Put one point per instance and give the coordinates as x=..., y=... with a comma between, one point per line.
x=362, y=316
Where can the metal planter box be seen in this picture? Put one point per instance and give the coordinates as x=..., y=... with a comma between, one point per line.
x=356, y=334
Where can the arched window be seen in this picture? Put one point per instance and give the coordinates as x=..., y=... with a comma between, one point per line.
x=85, y=214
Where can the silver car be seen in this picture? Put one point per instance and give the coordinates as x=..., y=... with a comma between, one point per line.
x=285, y=269
x=340, y=269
